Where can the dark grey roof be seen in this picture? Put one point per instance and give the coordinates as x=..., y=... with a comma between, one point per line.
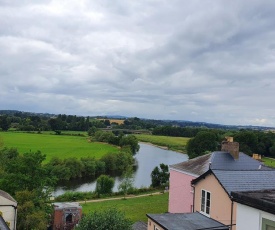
x=224, y=161
x=3, y=225
x=252, y=180
x=219, y=160
x=7, y=196
x=139, y=226
x=186, y=221
x=263, y=199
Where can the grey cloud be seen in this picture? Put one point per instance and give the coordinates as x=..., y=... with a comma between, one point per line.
x=201, y=60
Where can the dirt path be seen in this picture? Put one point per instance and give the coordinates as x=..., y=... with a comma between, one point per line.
x=119, y=198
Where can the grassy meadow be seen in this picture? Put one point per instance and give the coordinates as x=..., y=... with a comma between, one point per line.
x=269, y=161
x=134, y=209
x=173, y=143
x=61, y=146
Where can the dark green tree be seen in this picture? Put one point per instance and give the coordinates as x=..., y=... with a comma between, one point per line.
x=199, y=145
x=248, y=141
x=104, y=185
x=160, y=176
x=130, y=140
x=4, y=123
x=111, y=219
x=25, y=177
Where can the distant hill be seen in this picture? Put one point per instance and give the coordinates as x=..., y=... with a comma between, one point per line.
x=179, y=123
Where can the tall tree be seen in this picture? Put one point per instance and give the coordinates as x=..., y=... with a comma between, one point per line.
x=104, y=185
x=127, y=182
x=160, y=175
x=204, y=141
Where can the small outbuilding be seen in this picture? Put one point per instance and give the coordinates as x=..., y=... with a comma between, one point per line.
x=183, y=221
x=66, y=215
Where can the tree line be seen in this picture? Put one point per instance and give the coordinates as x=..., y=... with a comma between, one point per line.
x=250, y=141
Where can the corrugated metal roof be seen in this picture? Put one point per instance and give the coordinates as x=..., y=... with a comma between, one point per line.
x=248, y=180
x=186, y=221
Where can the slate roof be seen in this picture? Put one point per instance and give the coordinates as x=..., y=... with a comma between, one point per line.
x=7, y=196
x=263, y=200
x=3, y=225
x=219, y=160
x=197, y=166
x=186, y=221
x=239, y=181
x=139, y=226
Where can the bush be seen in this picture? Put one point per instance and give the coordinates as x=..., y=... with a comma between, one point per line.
x=108, y=219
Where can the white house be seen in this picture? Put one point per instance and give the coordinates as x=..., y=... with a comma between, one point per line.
x=255, y=210
x=8, y=209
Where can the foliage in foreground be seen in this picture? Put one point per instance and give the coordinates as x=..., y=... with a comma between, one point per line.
x=111, y=219
x=24, y=177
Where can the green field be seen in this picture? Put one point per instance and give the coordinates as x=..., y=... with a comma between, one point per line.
x=62, y=146
x=269, y=161
x=134, y=209
x=173, y=143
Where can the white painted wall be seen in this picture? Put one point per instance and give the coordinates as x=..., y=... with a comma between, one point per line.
x=251, y=218
x=8, y=212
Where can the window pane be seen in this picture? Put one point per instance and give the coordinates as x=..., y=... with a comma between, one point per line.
x=203, y=201
x=207, y=210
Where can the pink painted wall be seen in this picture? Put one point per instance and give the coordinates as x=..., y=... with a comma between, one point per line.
x=180, y=192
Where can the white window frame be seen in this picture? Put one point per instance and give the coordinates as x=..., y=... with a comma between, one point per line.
x=204, y=202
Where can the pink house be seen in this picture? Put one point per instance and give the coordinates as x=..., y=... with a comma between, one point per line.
x=181, y=175
x=181, y=195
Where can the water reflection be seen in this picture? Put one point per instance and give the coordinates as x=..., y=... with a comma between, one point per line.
x=148, y=157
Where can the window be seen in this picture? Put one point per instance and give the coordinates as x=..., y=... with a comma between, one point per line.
x=205, y=202
x=268, y=224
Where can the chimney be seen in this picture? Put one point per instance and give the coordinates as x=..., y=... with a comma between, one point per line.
x=232, y=147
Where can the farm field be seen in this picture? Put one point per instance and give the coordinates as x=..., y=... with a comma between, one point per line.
x=269, y=161
x=118, y=121
x=134, y=209
x=61, y=146
x=173, y=143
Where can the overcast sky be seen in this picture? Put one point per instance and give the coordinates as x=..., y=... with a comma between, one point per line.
x=207, y=60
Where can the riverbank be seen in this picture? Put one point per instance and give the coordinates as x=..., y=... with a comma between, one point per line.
x=164, y=142
x=120, y=198
x=157, y=146
x=134, y=209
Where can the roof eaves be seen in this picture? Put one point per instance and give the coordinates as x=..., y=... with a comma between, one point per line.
x=195, y=181
x=151, y=218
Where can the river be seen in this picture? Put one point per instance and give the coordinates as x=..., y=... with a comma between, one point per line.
x=148, y=157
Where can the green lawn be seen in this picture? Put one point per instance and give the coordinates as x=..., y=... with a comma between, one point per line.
x=173, y=143
x=61, y=146
x=134, y=209
x=269, y=162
